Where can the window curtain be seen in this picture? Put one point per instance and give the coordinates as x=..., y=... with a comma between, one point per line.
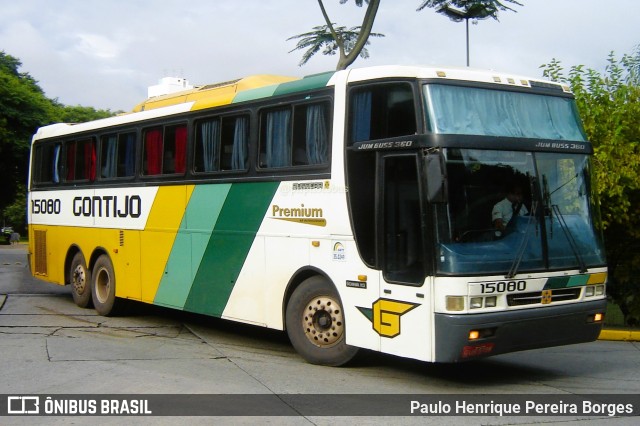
x=317, y=135
x=240, y=139
x=153, y=147
x=361, y=116
x=129, y=155
x=110, y=167
x=278, y=138
x=471, y=111
x=210, y=134
x=89, y=161
x=71, y=161
x=55, y=166
x=181, y=149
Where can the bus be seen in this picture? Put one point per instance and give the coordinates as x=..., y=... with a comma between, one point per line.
x=353, y=209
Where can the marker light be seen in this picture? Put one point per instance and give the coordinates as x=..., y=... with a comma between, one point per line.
x=490, y=302
x=598, y=317
x=474, y=335
x=455, y=303
x=475, y=303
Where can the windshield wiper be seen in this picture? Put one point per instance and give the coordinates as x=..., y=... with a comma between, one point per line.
x=513, y=270
x=554, y=208
x=572, y=242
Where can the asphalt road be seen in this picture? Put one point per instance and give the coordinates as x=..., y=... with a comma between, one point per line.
x=50, y=346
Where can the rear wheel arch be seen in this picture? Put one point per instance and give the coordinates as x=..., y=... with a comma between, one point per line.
x=71, y=252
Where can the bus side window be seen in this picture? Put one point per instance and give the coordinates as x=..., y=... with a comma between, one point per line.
x=275, y=141
x=126, y=154
x=153, y=151
x=382, y=111
x=175, y=150
x=207, y=146
x=47, y=163
x=300, y=138
x=117, y=155
x=165, y=150
x=235, y=143
x=81, y=160
x=311, y=136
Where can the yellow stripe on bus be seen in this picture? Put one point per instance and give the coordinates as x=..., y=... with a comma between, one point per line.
x=598, y=278
x=157, y=239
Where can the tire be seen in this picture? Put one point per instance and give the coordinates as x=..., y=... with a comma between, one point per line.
x=103, y=287
x=80, y=280
x=315, y=323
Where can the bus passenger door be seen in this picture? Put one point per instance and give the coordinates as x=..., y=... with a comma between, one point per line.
x=404, y=308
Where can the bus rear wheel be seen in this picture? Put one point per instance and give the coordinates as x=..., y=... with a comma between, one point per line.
x=103, y=287
x=315, y=323
x=80, y=280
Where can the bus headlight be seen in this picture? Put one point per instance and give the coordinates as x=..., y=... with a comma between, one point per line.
x=594, y=290
x=455, y=303
x=478, y=302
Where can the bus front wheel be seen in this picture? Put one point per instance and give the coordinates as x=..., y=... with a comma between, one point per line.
x=80, y=280
x=103, y=287
x=315, y=323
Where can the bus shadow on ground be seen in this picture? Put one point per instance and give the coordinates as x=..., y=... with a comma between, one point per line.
x=488, y=372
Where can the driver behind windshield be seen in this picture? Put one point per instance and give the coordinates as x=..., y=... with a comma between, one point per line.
x=506, y=209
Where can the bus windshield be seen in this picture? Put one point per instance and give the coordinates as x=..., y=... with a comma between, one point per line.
x=476, y=111
x=512, y=211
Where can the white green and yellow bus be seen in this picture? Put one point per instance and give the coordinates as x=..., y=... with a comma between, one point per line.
x=353, y=209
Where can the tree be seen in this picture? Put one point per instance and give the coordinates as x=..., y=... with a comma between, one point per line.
x=81, y=114
x=322, y=38
x=23, y=108
x=471, y=9
x=609, y=105
x=349, y=43
x=463, y=10
x=15, y=214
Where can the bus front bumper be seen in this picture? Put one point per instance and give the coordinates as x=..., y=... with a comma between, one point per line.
x=504, y=332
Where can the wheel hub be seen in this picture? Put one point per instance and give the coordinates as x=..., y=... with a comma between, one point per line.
x=79, y=279
x=323, y=322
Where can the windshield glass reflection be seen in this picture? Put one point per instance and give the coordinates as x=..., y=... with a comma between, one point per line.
x=511, y=212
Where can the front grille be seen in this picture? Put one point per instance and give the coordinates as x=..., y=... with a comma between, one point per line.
x=558, y=295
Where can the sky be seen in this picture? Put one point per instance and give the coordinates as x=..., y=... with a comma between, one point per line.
x=105, y=54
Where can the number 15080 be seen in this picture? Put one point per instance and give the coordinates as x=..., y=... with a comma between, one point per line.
x=502, y=286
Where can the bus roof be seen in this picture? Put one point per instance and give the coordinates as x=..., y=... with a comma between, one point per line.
x=212, y=95
x=263, y=86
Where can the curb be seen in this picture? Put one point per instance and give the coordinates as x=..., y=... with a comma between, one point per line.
x=620, y=335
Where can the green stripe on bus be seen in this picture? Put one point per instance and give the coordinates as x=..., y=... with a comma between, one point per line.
x=188, y=249
x=578, y=280
x=244, y=209
x=564, y=282
x=253, y=94
x=556, y=282
x=310, y=82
